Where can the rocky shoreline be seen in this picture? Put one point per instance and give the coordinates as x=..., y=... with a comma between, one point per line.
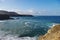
x=52, y=34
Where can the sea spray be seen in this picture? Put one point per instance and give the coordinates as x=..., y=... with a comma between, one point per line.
x=6, y=36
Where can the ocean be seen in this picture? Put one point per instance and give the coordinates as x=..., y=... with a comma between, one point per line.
x=26, y=28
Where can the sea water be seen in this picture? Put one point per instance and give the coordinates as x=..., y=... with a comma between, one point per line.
x=26, y=28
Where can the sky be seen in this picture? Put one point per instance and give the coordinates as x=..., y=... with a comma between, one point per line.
x=34, y=7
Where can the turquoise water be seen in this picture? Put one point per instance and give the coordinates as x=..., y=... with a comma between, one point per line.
x=24, y=28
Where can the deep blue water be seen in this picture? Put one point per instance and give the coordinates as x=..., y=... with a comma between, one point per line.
x=55, y=19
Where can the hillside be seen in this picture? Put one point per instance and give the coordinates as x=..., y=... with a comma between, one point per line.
x=7, y=15
x=12, y=13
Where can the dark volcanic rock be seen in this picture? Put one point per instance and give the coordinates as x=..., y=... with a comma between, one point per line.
x=4, y=17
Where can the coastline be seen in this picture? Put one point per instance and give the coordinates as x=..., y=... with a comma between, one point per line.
x=52, y=34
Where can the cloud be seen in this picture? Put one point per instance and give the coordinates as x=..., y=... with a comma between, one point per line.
x=31, y=12
x=27, y=12
x=39, y=12
x=50, y=13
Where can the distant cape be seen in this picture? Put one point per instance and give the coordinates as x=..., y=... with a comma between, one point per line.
x=3, y=12
x=6, y=15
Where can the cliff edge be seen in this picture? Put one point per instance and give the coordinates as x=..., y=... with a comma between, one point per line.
x=52, y=34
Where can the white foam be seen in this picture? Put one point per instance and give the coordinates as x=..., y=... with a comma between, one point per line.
x=3, y=36
x=16, y=38
x=55, y=24
x=2, y=21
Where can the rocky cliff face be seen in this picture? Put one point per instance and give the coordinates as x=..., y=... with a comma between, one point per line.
x=52, y=34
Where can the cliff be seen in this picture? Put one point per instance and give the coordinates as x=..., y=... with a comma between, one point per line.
x=52, y=34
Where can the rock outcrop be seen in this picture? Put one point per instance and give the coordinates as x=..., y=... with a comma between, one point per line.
x=4, y=17
x=52, y=34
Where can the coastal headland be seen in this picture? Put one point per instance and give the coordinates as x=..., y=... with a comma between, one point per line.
x=4, y=15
